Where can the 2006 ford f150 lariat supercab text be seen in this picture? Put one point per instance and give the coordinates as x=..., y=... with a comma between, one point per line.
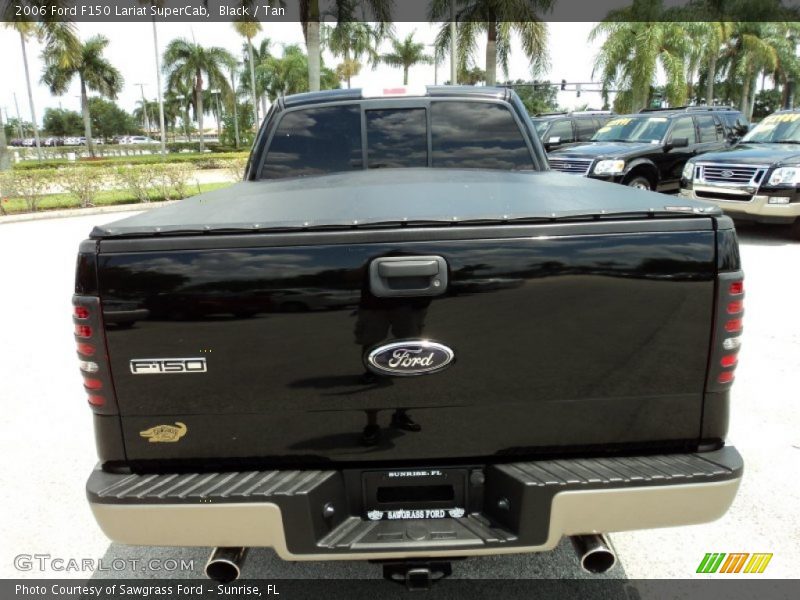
x=403, y=338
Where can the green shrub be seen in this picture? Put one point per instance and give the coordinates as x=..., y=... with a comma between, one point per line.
x=5, y=190
x=138, y=180
x=200, y=161
x=83, y=183
x=31, y=186
x=176, y=179
x=235, y=168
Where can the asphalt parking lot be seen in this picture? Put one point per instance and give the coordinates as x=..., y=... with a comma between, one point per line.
x=47, y=442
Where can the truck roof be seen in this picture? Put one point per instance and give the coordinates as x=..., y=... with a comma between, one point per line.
x=400, y=197
x=439, y=91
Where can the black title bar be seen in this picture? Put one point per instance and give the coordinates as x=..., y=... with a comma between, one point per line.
x=293, y=11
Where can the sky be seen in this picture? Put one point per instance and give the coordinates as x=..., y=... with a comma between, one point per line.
x=131, y=51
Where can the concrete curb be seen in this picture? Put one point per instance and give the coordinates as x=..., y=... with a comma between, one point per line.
x=83, y=212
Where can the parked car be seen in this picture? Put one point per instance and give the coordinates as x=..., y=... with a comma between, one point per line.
x=758, y=179
x=506, y=355
x=648, y=150
x=140, y=139
x=565, y=129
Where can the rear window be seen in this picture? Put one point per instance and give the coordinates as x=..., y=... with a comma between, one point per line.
x=464, y=135
x=477, y=135
x=397, y=138
x=315, y=141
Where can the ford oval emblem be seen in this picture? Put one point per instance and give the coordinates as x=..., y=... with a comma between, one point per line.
x=410, y=357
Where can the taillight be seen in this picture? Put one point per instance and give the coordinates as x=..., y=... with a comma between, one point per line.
x=725, y=377
x=83, y=331
x=733, y=325
x=86, y=349
x=727, y=336
x=95, y=400
x=735, y=307
x=92, y=384
x=93, y=360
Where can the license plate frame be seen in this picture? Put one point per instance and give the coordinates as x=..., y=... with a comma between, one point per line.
x=423, y=493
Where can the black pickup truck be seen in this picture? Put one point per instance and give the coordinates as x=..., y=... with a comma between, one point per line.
x=481, y=356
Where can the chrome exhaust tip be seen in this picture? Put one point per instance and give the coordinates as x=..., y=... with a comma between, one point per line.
x=225, y=564
x=594, y=553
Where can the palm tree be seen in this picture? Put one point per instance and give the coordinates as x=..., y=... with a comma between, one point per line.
x=711, y=27
x=54, y=33
x=748, y=53
x=498, y=20
x=186, y=61
x=141, y=113
x=637, y=39
x=94, y=73
x=784, y=36
x=351, y=40
x=179, y=99
x=288, y=74
x=406, y=54
x=256, y=56
x=248, y=30
x=343, y=11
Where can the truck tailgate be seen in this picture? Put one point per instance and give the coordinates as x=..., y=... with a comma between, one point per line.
x=595, y=336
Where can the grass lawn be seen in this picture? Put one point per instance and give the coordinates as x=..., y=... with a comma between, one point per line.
x=105, y=198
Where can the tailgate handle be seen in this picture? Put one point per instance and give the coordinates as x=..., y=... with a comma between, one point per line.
x=408, y=268
x=408, y=276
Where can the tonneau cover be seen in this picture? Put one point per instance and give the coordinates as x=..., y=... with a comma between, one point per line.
x=395, y=197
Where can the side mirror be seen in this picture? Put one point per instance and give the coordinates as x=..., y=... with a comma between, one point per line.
x=680, y=142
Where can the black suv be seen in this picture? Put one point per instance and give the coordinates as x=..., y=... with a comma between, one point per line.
x=564, y=129
x=649, y=149
x=757, y=179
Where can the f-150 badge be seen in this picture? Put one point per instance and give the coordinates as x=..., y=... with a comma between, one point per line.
x=410, y=357
x=165, y=433
x=167, y=366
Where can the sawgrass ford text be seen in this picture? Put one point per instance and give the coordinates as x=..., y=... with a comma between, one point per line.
x=144, y=590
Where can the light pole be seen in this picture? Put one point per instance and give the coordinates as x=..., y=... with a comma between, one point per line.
x=435, y=64
x=144, y=108
x=453, y=69
x=185, y=118
x=215, y=93
x=19, y=119
x=5, y=159
x=160, y=97
x=235, y=110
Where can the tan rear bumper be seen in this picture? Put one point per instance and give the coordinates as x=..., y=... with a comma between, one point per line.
x=511, y=507
x=257, y=525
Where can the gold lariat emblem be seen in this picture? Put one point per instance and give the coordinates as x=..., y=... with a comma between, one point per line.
x=165, y=433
